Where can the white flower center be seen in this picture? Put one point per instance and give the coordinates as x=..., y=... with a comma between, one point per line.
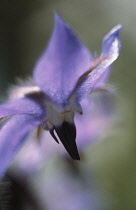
x=55, y=117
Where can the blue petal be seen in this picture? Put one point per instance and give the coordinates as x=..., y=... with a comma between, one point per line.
x=111, y=43
x=97, y=119
x=64, y=61
x=21, y=106
x=110, y=51
x=103, y=78
x=12, y=136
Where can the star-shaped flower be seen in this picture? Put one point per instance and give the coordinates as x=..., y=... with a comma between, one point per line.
x=63, y=78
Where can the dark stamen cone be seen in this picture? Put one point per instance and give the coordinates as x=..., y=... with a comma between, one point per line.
x=67, y=134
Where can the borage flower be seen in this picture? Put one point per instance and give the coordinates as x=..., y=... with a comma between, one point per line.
x=63, y=78
x=96, y=123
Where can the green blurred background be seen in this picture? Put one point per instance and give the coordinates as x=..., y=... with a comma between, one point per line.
x=25, y=27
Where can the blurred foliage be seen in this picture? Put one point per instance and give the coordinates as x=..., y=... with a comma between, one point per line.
x=25, y=27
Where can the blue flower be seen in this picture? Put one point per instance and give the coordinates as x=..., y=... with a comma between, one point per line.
x=63, y=78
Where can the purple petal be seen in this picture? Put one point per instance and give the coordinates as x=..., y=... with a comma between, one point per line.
x=96, y=121
x=111, y=43
x=12, y=136
x=31, y=157
x=110, y=51
x=103, y=78
x=64, y=61
x=21, y=106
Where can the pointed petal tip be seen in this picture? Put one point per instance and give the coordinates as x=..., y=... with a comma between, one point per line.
x=111, y=43
x=56, y=16
x=116, y=28
x=58, y=19
x=113, y=33
x=60, y=24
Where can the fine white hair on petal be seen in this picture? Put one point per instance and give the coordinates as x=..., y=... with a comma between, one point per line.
x=20, y=92
x=22, y=88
